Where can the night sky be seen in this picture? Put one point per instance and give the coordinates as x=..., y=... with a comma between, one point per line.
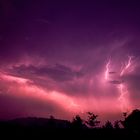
x=68, y=57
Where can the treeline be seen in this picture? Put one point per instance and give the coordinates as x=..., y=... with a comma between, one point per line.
x=129, y=121
x=128, y=127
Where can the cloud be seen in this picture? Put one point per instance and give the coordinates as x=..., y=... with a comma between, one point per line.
x=133, y=80
x=55, y=74
x=24, y=99
x=69, y=54
x=14, y=106
x=115, y=82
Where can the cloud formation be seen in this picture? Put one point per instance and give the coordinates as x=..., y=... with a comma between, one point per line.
x=53, y=57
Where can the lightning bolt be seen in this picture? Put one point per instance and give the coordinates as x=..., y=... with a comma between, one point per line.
x=128, y=64
x=124, y=93
x=107, y=70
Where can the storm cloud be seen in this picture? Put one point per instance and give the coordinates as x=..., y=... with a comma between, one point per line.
x=58, y=51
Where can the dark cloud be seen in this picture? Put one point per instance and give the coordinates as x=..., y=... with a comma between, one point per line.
x=65, y=79
x=57, y=72
x=115, y=82
x=74, y=28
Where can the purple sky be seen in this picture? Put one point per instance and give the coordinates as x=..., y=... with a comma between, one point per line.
x=67, y=57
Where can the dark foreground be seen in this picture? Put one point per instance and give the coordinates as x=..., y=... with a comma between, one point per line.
x=19, y=133
x=38, y=130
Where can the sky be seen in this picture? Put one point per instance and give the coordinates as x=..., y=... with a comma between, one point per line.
x=64, y=58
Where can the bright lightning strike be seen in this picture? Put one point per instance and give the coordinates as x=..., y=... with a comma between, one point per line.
x=107, y=70
x=122, y=87
x=128, y=64
x=124, y=93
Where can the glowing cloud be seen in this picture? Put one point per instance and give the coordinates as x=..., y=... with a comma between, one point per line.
x=120, y=84
x=107, y=70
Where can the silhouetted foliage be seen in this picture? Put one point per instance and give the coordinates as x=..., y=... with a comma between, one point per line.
x=77, y=122
x=116, y=124
x=92, y=120
x=52, y=127
x=124, y=117
x=124, y=114
x=132, y=121
x=108, y=125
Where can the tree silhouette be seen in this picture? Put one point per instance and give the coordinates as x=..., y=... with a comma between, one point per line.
x=124, y=114
x=77, y=122
x=108, y=125
x=92, y=120
x=116, y=124
x=132, y=121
